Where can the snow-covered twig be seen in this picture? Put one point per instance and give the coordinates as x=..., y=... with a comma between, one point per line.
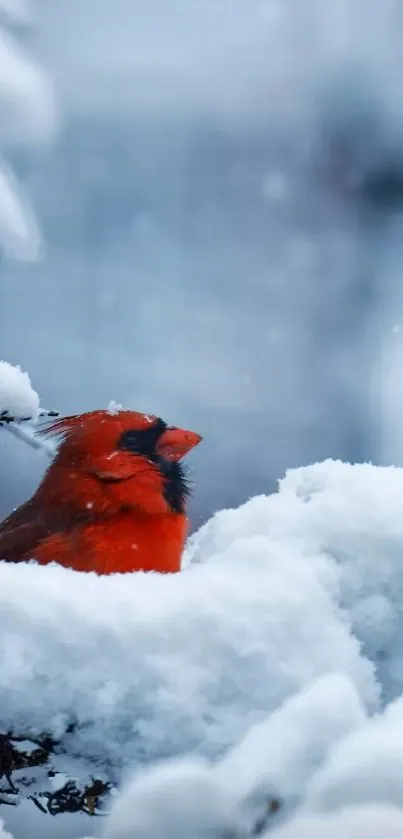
x=27, y=434
x=19, y=407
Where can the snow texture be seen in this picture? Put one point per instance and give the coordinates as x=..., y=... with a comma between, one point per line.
x=18, y=399
x=114, y=407
x=270, y=668
x=203, y=806
x=358, y=823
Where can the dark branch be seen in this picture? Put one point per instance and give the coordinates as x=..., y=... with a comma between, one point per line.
x=72, y=797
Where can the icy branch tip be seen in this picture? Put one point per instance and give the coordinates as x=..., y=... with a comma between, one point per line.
x=18, y=400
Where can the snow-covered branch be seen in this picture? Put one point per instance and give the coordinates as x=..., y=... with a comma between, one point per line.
x=20, y=407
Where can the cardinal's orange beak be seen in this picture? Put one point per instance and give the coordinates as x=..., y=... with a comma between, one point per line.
x=176, y=443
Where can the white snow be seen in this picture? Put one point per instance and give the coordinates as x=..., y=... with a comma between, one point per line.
x=271, y=668
x=177, y=795
x=364, y=767
x=357, y=823
x=17, y=396
x=114, y=407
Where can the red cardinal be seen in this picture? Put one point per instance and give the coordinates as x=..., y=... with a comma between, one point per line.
x=113, y=499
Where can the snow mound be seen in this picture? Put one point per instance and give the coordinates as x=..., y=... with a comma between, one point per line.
x=348, y=518
x=275, y=760
x=152, y=804
x=365, y=766
x=358, y=823
x=150, y=666
x=274, y=660
x=18, y=399
x=332, y=770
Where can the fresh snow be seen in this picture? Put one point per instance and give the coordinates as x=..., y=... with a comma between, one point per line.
x=17, y=397
x=270, y=667
x=356, y=823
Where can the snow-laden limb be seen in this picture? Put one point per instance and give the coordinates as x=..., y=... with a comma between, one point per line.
x=20, y=407
x=18, y=399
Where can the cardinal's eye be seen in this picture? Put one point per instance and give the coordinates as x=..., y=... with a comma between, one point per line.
x=142, y=441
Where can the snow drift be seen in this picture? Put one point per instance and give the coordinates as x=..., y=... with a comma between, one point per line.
x=149, y=666
x=274, y=660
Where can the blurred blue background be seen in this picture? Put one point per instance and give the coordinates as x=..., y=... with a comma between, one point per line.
x=218, y=187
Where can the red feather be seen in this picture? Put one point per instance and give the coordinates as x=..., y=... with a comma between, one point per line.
x=108, y=503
